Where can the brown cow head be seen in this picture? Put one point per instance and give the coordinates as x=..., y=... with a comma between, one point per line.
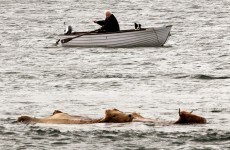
x=116, y=116
x=25, y=119
x=189, y=118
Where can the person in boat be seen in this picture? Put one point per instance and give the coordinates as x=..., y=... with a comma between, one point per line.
x=110, y=24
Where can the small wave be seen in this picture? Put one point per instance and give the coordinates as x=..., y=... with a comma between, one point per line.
x=11, y=72
x=181, y=77
x=177, y=75
x=216, y=111
x=108, y=76
x=8, y=120
x=213, y=135
x=27, y=77
x=118, y=76
x=209, y=77
x=43, y=131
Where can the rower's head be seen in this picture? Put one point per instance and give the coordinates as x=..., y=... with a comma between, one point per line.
x=108, y=13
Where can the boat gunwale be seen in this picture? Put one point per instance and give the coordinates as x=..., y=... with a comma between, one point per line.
x=121, y=31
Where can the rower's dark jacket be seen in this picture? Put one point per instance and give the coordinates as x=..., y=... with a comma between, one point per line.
x=109, y=24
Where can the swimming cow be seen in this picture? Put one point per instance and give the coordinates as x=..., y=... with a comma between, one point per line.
x=59, y=117
x=111, y=116
x=189, y=118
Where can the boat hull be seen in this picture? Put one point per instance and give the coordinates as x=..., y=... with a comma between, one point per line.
x=148, y=37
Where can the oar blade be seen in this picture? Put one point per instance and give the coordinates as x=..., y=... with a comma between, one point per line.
x=56, y=43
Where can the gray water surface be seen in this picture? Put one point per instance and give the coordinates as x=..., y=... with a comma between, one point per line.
x=190, y=72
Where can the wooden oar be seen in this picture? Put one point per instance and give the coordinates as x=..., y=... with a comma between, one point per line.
x=69, y=39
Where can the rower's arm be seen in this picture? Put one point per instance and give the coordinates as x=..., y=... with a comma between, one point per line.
x=101, y=22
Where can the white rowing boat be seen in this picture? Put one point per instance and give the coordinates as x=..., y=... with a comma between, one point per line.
x=144, y=37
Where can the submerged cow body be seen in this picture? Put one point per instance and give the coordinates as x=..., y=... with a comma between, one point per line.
x=111, y=116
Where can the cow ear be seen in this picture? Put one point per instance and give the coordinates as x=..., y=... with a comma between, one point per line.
x=56, y=112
